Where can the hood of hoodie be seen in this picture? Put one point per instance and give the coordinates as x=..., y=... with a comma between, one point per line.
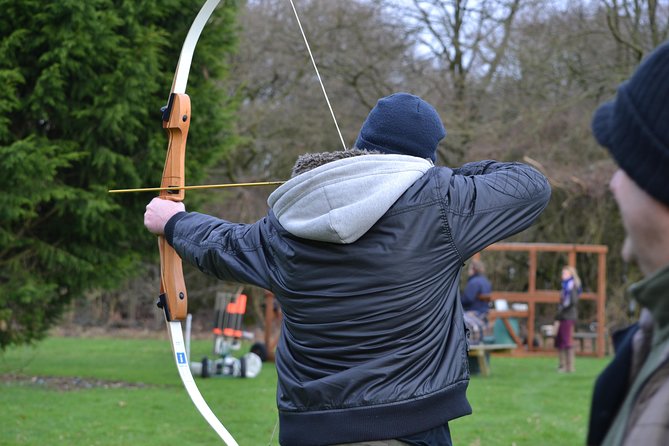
x=340, y=201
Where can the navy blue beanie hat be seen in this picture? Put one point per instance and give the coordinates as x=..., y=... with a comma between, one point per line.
x=635, y=125
x=403, y=124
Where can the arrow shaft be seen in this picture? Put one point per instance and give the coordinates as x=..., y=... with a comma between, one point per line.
x=200, y=186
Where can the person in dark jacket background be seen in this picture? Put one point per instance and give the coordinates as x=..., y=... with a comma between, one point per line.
x=474, y=305
x=477, y=286
x=363, y=250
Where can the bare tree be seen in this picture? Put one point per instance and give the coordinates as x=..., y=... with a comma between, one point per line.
x=464, y=37
x=361, y=54
x=637, y=25
x=462, y=44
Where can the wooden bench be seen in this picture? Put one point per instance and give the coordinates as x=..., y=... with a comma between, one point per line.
x=482, y=352
x=584, y=336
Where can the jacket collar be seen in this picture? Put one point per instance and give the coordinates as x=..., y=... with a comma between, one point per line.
x=653, y=293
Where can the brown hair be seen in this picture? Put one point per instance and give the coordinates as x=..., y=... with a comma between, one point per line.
x=478, y=266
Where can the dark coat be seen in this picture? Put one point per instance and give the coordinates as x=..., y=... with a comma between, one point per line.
x=372, y=344
x=476, y=286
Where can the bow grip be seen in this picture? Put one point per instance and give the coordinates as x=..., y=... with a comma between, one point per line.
x=173, y=295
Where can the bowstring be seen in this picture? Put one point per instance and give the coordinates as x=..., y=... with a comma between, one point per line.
x=318, y=74
x=334, y=118
x=273, y=431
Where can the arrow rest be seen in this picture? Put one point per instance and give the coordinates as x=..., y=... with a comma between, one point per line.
x=167, y=109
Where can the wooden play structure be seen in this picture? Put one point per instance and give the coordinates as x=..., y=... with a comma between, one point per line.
x=533, y=296
x=273, y=317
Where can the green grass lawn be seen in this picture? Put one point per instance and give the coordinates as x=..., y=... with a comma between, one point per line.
x=523, y=402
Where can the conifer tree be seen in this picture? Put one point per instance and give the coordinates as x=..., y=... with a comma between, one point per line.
x=82, y=87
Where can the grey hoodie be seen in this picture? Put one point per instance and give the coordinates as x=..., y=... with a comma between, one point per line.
x=364, y=255
x=339, y=201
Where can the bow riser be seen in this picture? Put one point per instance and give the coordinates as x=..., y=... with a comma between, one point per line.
x=176, y=124
x=176, y=121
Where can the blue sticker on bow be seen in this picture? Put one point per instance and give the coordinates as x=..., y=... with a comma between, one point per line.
x=181, y=358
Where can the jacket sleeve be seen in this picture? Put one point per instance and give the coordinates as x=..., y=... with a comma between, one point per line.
x=488, y=201
x=228, y=251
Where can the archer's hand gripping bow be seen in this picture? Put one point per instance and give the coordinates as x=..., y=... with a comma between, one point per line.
x=173, y=297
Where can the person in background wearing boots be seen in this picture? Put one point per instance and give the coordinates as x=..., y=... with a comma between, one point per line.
x=567, y=316
x=630, y=402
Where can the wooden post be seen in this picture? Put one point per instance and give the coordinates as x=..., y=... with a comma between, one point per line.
x=531, y=289
x=272, y=319
x=601, y=304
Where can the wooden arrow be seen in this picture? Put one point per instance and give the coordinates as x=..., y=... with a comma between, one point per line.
x=202, y=186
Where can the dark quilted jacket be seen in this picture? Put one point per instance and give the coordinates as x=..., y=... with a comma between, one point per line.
x=372, y=344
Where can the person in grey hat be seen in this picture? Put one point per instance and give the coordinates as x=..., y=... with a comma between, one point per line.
x=630, y=404
x=363, y=250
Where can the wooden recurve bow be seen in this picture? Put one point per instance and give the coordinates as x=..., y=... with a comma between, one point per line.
x=173, y=295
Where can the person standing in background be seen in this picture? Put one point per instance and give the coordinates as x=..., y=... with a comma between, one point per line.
x=567, y=316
